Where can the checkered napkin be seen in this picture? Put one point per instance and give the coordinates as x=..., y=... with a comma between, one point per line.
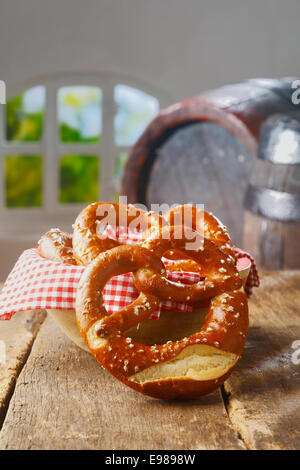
x=37, y=283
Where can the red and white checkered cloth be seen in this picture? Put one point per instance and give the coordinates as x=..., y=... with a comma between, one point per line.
x=253, y=277
x=38, y=283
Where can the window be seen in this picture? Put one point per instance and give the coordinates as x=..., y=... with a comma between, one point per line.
x=64, y=144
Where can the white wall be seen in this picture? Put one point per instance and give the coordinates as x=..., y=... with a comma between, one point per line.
x=180, y=47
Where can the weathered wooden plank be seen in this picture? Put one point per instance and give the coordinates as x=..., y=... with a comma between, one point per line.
x=16, y=336
x=264, y=391
x=64, y=400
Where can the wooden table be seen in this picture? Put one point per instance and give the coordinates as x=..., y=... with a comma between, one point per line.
x=55, y=396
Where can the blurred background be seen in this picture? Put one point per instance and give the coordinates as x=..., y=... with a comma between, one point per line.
x=85, y=78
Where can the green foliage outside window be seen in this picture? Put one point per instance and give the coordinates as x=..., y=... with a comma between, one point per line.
x=79, y=120
x=135, y=109
x=69, y=134
x=120, y=164
x=79, y=114
x=24, y=116
x=119, y=169
x=79, y=179
x=23, y=175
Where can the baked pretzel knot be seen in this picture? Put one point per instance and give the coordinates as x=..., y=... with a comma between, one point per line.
x=204, y=222
x=56, y=245
x=218, y=268
x=89, y=238
x=183, y=368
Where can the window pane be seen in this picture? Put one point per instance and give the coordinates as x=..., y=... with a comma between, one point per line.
x=23, y=180
x=120, y=163
x=25, y=114
x=80, y=114
x=79, y=180
x=136, y=110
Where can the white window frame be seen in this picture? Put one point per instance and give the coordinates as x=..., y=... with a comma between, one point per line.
x=23, y=222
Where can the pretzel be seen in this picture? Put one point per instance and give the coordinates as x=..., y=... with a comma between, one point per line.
x=118, y=260
x=204, y=222
x=218, y=268
x=89, y=242
x=185, y=368
x=56, y=245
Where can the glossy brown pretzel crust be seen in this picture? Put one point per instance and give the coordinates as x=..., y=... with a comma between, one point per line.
x=217, y=345
x=56, y=245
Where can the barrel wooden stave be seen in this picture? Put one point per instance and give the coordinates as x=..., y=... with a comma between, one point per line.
x=277, y=234
x=198, y=151
x=273, y=244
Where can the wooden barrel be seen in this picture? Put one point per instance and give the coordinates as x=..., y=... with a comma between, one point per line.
x=272, y=200
x=203, y=150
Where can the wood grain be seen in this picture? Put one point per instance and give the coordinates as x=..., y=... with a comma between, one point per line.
x=263, y=399
x=17, y=335
x=206, y=164
x=64, y=400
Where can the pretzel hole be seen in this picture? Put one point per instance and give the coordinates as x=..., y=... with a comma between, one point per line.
x=171, y=326
x=198, y=362
x=93, y=339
